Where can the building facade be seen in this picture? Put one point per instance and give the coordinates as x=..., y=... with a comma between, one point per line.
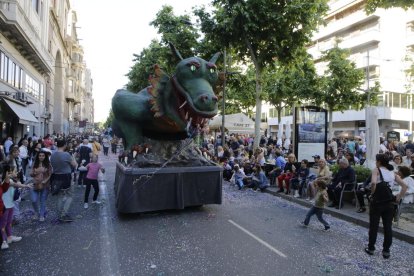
x=382, y=44
x=39, y=61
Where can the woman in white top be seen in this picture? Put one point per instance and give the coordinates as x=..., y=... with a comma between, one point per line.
x=380, y=208
x=405, y=172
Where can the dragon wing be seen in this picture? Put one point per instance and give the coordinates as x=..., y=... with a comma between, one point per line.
x=157, y=81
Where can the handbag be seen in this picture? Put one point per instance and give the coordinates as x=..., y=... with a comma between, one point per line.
x=383, y=192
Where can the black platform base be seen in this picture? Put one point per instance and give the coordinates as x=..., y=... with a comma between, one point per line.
x=151, y=189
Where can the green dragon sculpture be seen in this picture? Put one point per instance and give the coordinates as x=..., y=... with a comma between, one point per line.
x=172, y=108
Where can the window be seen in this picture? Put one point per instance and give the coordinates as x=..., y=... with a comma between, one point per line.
x=396, y=99
x=405, y=100
x=4, y=66
x=272, y=113
x=42, y=94
x=32, y=87
x=11, y=75
x=35, y=5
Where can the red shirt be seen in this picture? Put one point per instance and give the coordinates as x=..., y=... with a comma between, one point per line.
x=3, y=188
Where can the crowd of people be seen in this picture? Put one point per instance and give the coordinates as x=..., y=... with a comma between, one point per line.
x=34, y=167
x=389, y=184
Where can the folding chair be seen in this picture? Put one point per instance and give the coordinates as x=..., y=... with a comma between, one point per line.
x=348, y=188
x=397, y=212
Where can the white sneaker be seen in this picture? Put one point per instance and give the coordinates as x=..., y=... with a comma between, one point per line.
x=296, y=194
x=96, y=202
x=13, y=239
x=4, y=245
x=85, y=205
x=42, y=219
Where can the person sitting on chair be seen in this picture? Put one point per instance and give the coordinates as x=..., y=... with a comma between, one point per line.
x=364, y=189
x=404, y=173
x=346, y=174
x=280, y=163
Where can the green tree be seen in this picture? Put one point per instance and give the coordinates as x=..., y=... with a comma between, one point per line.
x=143, y=67
x=175, y=29
x=240, y=92
x=291, y=83
x=372, y=5
x=261, y=31
x=340, y=83
x=110, y=118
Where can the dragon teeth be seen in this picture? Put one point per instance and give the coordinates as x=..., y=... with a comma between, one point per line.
x=186, y=116
x=184, y=103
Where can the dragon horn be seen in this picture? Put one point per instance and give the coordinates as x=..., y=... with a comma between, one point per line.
x=175, y=51
x=215, y=57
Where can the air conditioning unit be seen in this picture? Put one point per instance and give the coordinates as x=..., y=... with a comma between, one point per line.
x=20, y=96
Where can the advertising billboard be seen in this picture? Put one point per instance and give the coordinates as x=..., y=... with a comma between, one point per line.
x=311, y=131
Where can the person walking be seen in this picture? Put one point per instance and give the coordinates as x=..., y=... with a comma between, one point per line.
x=24, y=156
x=41, y=173
x=92, y=180
x=106, y=144
x=84, y=154
x=382, y=203
x=96, y=147
x=62, y=163
x=9, y=177
x=321, y=198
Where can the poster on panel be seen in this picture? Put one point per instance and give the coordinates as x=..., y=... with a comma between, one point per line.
x=311, y=129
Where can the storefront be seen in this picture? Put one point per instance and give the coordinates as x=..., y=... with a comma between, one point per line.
x=15, y=118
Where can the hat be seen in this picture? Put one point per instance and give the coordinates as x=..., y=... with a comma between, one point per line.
x=316, y=156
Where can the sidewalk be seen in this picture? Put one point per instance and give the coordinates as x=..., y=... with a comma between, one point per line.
x=404, y=231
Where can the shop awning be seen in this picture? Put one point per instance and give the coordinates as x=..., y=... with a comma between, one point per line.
x=22, y=112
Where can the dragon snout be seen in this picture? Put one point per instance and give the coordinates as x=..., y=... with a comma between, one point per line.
x=205, y=98
x=206, y=102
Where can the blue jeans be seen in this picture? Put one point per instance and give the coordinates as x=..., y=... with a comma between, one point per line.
x=36, y=196
x=239, y=183
x=318, y=212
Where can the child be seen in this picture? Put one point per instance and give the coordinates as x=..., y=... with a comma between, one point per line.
x=92, y=179
x=238, y=176
x=9, y=178
x=321, y=199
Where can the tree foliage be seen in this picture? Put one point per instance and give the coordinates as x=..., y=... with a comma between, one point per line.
x=175, y=29
x=240, y=92
x=291, y=83
x=339, y=83
x=262, y=31
x=144, y=63
x=110, y=118
x=372, y=5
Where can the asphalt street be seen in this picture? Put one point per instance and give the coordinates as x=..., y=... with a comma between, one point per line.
x=249, y=234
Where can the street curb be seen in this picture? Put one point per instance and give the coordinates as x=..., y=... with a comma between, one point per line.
x=397, y=233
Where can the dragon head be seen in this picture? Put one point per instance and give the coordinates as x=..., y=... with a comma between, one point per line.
x=193, y=84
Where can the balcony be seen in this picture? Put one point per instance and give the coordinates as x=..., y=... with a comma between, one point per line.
x=70, y=97
x=22, y=27
x=338, y=26
x=363, y=39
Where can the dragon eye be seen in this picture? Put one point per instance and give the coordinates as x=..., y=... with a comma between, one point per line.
x=212, y=70
x=192, y=68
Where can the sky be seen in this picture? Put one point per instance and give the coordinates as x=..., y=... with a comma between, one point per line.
x=110, y=33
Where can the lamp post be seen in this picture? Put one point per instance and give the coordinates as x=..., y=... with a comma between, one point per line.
x=223, y=105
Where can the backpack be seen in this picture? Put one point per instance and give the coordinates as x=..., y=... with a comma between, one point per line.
x=383, y=192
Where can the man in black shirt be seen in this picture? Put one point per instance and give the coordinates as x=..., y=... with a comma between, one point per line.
x=84, y=153
x=346, y=174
